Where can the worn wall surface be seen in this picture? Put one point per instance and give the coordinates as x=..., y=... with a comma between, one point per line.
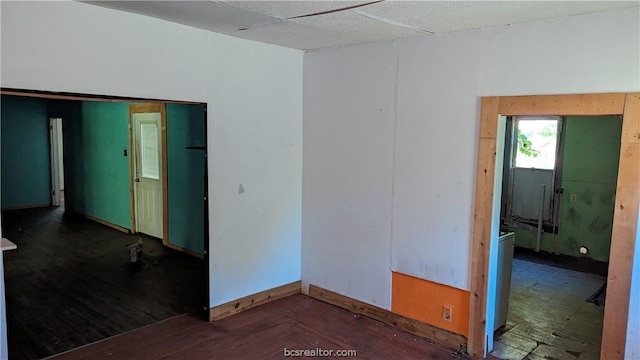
x=589, y=175
x=254, y=97
x=97, y=170
x=186, y=171
x=391, y=132
x=26, y=170
x=348, y=171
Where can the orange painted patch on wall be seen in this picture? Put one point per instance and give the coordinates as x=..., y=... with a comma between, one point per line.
x=433, y=303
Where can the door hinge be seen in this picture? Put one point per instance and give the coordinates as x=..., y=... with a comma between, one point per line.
x=205, y=198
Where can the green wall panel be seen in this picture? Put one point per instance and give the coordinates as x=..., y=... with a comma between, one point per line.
x=186, y=187
x=590, y=169
x=588, y=221
x=97, y=172
x=592, y=149
x=25, y=149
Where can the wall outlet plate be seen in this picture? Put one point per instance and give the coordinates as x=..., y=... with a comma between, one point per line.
x=572, y=198
x=447, y=312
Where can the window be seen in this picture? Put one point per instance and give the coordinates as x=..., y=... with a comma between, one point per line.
x=537, y=142
x=532, y=177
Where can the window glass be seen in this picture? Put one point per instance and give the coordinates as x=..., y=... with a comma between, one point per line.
x=149, y=146
x=537, y=139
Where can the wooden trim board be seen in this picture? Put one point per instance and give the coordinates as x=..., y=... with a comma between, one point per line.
x=85, y=97
x=624, y=233
x=184, y=250
x=36, y=206
x=415, y=327
x=233, y=307
x=165, y=175
x=576, y=104
x=132, y=197
x=108, y=224
x=625, y=220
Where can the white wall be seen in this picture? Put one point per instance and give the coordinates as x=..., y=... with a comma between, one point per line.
x=254, y=96
x=349, y=242
x=347, y=184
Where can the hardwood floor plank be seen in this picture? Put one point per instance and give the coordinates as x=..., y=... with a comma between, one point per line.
x=70, y=282
x=297, y=322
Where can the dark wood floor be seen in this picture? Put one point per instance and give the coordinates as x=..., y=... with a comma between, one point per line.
x=70, y=282
x=297, y=322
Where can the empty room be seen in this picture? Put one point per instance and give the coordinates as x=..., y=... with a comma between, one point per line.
x=381, y=180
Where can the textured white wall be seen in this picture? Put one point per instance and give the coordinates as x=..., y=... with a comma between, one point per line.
x=349, y=122
x=254, y=97
x=429, y=90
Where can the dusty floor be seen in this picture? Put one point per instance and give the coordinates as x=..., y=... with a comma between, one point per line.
x=549, y=317
x=70, y=282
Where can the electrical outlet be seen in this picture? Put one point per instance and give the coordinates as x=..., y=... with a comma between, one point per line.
x=447, y=312
x=572, y=198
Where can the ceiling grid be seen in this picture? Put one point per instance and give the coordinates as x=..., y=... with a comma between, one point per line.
x=310, y=25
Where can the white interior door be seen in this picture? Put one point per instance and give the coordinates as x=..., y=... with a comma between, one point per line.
x=55, y=134
x=147, y=173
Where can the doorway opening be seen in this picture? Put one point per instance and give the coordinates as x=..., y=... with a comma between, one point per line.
x=57, y=161
x=77, y=252
x=148, y=174
x=494, y=111
x=559, y=172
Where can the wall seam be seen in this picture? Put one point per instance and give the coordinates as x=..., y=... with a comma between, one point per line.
x=396, y=54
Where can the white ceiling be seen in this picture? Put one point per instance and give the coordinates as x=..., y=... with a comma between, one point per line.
x=308, y=25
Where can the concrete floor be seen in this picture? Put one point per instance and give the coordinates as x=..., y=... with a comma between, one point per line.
x=548, y=316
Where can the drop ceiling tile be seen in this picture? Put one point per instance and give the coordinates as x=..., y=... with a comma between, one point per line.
x=214, y=16
x=360, y=28
x=453, y=16
x=294, y=35
x=388, y=20
x=288, y=9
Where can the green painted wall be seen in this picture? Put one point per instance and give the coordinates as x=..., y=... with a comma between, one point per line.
x=186, y=188
x=26, y=163
x=97, y=172
x=590, y=169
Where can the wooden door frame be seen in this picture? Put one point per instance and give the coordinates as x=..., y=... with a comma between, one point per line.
x=150, y=108
x=625, y=220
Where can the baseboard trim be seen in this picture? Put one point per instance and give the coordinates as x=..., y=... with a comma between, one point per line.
x=233, y=307
x=24, y=207
x=184, y=250
x=439, y=336
x=106, y=223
